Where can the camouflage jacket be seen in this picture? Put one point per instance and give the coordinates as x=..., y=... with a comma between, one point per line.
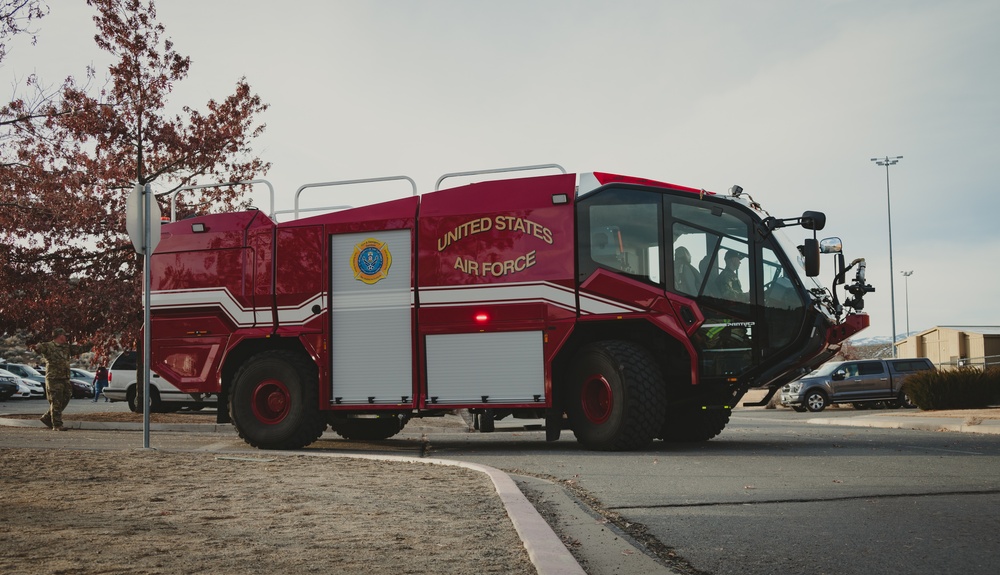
x=57, y=358
x=729, y=286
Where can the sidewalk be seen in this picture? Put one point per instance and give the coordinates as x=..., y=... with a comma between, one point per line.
x=950, y=421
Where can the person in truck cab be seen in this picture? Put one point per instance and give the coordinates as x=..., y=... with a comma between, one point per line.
x=728, y=283
x=686, y=277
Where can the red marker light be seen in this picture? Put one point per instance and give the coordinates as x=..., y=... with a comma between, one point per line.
x=482, y=318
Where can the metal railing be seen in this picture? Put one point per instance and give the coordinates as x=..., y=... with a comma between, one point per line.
x=977, y=362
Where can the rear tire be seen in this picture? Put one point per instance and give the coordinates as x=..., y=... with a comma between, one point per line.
x=616, y=397
x=133, y=402
x=134, y=398
x=367, y=428
x=905, y=401
x=274, y=402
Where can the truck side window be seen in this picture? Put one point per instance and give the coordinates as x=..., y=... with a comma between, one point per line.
x=909, y=365
x=718, y=243
x=871, y=368
x=620, y=231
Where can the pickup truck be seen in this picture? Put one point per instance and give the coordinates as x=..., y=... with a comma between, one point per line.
x=861, y=382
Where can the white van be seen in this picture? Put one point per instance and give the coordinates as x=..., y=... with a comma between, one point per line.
x=164, y=397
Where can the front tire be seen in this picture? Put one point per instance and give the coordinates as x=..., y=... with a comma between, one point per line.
x=694, y=424
x=816, y=400
x=616, y=398
x=274, y=401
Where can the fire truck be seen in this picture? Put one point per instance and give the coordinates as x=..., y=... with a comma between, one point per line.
x=623, y=309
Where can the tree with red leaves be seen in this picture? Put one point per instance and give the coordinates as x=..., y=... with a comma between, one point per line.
x=69, y=158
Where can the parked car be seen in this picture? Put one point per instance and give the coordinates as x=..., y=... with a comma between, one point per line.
x=28, y=388
x=82, y=374
x=8, y=384
x=81, y=389
x=164, y=397
x=863, y=383
x=23, y=370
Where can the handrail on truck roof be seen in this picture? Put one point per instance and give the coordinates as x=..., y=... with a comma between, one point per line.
x=173, y=195
x=298, y=192
x=437, y=186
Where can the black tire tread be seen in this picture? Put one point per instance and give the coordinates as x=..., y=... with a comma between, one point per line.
x=694, y=424
x=367, y=429
x=312, y=425
x=645, y=398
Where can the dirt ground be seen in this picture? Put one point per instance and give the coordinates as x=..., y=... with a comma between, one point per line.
x=115, y=512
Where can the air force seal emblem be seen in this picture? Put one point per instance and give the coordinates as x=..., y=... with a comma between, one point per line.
x=371, y=261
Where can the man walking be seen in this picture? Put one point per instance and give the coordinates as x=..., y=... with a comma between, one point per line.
x=58, y=390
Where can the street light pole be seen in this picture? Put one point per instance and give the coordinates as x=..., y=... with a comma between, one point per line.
x=906, y=293
x=887, y=161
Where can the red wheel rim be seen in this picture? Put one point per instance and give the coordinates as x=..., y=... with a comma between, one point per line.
x=270, y=401
x=597, y=399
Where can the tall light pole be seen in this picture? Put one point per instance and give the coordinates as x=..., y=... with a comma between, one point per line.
x=906, y=294
x=887, y=161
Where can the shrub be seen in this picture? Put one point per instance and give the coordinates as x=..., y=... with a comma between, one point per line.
x=962, y=388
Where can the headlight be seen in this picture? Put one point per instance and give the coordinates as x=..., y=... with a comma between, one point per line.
x=795, y=387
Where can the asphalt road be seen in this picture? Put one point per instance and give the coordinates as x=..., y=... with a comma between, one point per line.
x=772, y=494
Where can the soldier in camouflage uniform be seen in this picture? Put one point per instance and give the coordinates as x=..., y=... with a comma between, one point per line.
x=728, y=283
x=58, y=390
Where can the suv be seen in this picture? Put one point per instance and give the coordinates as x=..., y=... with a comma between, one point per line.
x=860, y=382
x=164, y=397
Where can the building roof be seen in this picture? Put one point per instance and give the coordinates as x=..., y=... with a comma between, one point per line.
x=983, y=329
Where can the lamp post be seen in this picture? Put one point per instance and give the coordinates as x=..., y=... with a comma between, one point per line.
x=887, y=161
x=906, y=295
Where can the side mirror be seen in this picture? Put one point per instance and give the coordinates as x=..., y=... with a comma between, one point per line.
x=813, y=220
x=839, y=375
x=810, y=255
x=831, y=246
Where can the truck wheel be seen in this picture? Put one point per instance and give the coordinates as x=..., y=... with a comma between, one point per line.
x=484, y=422
x=133, y=403
x=367, y=428
x=134, y=398
x=274, y=402
x=616, y=398
x=816, y=400
x=694, y=424
x=905, y=401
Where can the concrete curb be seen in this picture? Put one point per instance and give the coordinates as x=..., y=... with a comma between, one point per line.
x=953, y=424
x=125, y=426
x=547, y=552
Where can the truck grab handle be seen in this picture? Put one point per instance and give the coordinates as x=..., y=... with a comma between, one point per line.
x=173, y=195
x=437, y=186
x=346, y=183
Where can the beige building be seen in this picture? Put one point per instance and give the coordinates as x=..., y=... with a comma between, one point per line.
x=954, y=345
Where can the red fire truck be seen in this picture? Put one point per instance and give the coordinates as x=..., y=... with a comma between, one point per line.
x=621, y=308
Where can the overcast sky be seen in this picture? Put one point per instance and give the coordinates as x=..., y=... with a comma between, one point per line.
x=788, y=99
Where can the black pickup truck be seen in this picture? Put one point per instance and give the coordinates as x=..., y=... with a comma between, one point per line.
x=859, y=382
